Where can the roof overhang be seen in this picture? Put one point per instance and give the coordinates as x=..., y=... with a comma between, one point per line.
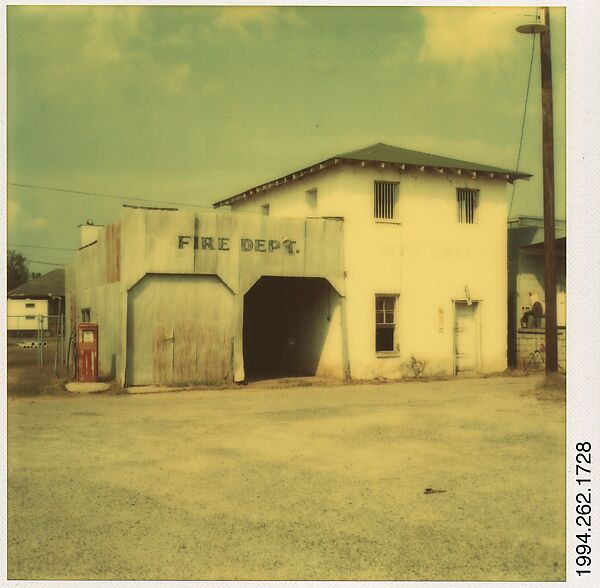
x=335, y=161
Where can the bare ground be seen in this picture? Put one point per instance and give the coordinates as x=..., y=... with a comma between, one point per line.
x=291, y=483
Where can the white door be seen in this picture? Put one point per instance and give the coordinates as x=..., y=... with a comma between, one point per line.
x=465, y=337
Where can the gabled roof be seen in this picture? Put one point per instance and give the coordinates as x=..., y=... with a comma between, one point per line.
x=383, y=154
x=50, y=284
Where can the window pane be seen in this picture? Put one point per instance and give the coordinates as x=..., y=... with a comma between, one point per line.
x=379, y=316
x=384, y=339
x=379, y=303
x=389, y=317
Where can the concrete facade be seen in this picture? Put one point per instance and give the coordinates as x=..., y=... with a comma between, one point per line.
x=424, y=257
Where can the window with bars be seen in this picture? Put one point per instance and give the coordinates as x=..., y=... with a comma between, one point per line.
x=385, y=322
x=386, y=194
x=30, y=305
x=467, y=201
x=265, y=209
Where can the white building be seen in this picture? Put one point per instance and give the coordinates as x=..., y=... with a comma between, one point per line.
x=346, y=268
x=29, y=305
x=424, y=253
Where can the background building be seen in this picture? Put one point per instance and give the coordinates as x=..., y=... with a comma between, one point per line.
x=43, y=296
x=525, y=276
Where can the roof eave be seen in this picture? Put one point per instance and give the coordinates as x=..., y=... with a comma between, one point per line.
x=507, y=175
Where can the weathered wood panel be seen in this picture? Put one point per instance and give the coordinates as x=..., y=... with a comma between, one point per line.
x=180, y=330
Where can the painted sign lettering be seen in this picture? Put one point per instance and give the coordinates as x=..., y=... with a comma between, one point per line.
x=246, y=244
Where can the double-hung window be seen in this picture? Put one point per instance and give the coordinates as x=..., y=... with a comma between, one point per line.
x=467, y=201
x=385, y=197
x=385, y=322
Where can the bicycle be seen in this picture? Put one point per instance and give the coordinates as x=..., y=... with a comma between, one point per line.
x=539, y=352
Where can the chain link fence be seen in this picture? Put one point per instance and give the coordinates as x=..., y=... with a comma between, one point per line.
x=43, y=333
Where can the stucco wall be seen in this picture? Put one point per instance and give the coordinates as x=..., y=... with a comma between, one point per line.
x=426, y=257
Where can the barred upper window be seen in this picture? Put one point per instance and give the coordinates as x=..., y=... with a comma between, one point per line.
x=467, y=201
x=386, y=194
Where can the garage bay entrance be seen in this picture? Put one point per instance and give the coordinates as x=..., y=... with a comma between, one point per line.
x=291, y=328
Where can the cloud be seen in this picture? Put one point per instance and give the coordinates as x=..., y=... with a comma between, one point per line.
x=109, y=32
x=13, y=213
x=210, y=88
x=240, y=19
x=465, y=35
x=400, y=50
x=39, y=222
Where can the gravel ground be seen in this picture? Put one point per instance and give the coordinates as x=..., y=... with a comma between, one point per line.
x=291, y=483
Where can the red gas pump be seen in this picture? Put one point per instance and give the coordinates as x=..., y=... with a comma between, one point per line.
x=87, y=352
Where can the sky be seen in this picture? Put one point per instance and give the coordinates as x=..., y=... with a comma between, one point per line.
x=192, y=104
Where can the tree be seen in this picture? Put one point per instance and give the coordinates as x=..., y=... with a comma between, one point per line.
x=17, y=272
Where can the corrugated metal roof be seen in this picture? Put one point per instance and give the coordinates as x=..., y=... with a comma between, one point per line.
x=380, y=153
x=50, y=284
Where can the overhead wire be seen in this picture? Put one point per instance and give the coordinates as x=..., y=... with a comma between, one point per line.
x=113, y=196
x=40, y=247
x=103, y=195
x=44, y=262
x=514, y=185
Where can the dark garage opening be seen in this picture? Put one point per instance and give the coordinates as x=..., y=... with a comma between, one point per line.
x=286, y=321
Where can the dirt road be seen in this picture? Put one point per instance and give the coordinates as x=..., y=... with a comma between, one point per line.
x=297, y=483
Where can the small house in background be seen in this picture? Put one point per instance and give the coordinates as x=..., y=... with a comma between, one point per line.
x=526, y=289
x=43, y=296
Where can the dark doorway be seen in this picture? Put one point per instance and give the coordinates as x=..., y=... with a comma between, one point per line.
x=286, y=321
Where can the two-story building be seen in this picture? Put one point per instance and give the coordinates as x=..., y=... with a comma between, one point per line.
x=346, y=268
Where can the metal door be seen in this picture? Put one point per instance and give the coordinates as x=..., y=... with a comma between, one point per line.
x=465, y=337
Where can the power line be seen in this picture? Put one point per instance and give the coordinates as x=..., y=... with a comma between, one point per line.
x=44, y=262
x=117, y=196
x=104, y=195
x=512, y=196
x=40, y=247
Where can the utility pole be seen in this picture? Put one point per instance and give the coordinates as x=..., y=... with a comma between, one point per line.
x=549, y=233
